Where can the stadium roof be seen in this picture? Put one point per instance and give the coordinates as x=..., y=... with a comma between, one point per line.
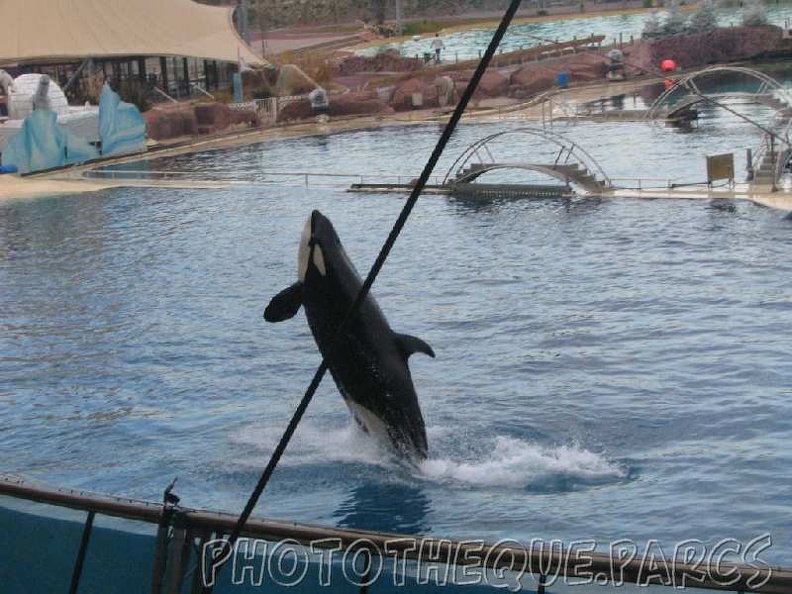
x=51, y=31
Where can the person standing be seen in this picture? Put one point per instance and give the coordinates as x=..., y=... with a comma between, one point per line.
x=437, y=46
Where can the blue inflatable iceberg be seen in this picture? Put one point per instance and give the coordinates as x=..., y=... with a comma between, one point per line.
x=121, y=126
x=42, y=144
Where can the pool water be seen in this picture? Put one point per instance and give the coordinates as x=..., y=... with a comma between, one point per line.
x=471, y=43
x=606, y=368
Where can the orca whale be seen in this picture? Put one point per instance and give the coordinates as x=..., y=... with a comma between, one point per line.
x=369, y=361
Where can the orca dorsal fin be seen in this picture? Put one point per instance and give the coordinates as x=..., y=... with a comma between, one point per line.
x=285, y=304
x=412, y=344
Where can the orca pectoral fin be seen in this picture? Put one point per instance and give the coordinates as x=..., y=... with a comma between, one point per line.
x=285, y=304
x=412, y=344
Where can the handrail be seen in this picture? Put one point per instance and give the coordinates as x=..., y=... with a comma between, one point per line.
x=287, y=178
x=164, y=94
x=202, y=90
x=539, y=558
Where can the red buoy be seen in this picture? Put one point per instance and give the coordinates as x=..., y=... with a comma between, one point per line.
x=668, y=65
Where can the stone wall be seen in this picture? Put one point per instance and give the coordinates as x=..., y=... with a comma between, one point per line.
x=268, y=14
x=723, y=45
x=184, y=119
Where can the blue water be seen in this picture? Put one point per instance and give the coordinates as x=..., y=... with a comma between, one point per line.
x=606, y=369
x=470, y=43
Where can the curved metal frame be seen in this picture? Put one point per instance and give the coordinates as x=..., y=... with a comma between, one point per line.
x=566, y=145
x=525, y=167
x=688, y=82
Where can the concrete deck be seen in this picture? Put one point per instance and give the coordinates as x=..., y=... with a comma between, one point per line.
x=758, y=194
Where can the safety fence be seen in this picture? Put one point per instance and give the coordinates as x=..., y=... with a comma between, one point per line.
x=275, y=178
x=188, y=551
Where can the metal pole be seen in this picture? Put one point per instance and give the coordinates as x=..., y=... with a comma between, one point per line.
x=242, y=20
x=78, y=564
x=178, y=553
x=77, y=73
x=749, y=167
x=399, y=18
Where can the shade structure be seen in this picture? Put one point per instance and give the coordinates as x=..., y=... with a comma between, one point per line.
x=51, y=31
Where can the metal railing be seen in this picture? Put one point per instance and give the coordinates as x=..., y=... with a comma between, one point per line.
x=778, y=148
x=164, y=94
x=642, y=183
x=277, y=178
x=201, y=90
x=269, y=108
x=181, y=529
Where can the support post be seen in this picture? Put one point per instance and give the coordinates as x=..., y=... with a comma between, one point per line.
x=78, y=564
x=178, y=555
x=749, y=166
x=399, y=18
x=169, y=507
x=77, y=73
x=186, y=72
x=164, y=74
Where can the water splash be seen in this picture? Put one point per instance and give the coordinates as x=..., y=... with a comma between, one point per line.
x=509, y=462
x=521, y=464
x=314, y=444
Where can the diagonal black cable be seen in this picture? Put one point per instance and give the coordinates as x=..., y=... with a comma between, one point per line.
x=375, y=269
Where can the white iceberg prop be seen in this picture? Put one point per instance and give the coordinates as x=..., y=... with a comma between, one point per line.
x=36, y=91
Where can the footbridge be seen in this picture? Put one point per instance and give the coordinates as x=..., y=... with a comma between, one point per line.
x=772, y=156
x=568, y=173
x=687, y=91
x=565, y=161
x=686, y=103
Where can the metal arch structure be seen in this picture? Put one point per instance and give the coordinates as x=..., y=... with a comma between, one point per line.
x=565, y=173
x=693, y=100
x=477, y=158
x=767, y=85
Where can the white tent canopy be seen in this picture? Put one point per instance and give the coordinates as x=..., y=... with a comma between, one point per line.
x=65, y=30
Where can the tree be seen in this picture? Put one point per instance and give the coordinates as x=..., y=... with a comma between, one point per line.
x=675, y=22
x=704, y=19
x=754, y=14
x=652, y=25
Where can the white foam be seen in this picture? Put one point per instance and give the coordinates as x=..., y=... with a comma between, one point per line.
x=517, y=463
x=508, y=462
x=313, y=444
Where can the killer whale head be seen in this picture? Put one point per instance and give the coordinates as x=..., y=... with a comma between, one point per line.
x=322, y=252
x=318, y=233
x=318, y=238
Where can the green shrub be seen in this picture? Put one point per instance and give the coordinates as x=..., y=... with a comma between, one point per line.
x=421, y=27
